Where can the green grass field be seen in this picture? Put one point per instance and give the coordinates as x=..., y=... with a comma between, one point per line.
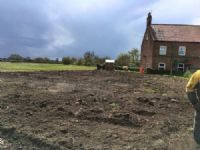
x=13, y=67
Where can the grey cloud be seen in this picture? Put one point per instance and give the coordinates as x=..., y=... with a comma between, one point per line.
x=53, y=28
x=22, y=27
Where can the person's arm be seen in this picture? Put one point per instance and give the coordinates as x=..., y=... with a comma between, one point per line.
x=191, y=90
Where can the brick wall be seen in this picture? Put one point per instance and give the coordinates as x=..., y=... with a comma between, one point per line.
x=192, y=54
x=147, y=51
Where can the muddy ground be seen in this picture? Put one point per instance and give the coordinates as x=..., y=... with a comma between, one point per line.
x=94, y=110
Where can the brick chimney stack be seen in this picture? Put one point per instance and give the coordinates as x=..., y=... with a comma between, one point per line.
x=149, y=19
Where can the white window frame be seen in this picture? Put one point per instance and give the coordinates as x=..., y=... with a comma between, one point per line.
x=163, y=50
x=159, y=67
x=182, y=51
x=178, y=67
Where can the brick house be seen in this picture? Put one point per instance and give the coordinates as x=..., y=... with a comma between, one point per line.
x=170, y=47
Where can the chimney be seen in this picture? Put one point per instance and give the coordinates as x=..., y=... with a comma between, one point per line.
x=149, y=19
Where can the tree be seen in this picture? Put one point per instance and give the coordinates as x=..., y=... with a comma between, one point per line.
x=38, y=60
x=80, y=61
x=123, y=59
x=66, y=60
x=27, y=59
x=89, y=58
x=134, y=56
x=73, y=60
x=15, y=58
x=46, y=60
x=100, y=60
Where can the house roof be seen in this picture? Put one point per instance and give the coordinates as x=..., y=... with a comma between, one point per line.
x=176, y=33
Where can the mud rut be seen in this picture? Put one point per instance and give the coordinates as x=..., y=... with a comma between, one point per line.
x=93, y=111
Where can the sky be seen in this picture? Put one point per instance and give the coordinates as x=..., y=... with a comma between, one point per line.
x=58, y=28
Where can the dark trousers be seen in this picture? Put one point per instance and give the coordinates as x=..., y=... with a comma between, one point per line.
x=197, y=127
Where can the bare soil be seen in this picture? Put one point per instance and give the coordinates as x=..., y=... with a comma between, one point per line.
x=94, y=110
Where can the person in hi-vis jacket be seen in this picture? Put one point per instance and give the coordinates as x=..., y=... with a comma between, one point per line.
x=193, y=93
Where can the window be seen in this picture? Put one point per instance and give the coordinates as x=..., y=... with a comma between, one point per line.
x=180, y=67
x=161, y=66
x=182, y=51
x=163, y=50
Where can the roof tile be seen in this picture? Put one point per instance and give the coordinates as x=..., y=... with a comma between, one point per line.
x=178, y=33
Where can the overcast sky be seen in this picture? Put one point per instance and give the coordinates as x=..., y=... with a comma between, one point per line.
x=57, y=28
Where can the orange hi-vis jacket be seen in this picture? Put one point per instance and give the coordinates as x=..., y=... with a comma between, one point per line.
x=194, y=81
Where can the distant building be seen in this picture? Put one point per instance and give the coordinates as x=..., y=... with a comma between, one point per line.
x=171, y=47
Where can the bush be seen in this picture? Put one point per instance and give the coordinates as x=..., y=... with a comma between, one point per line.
x=178, y=73
x=41, y=60
x=123, y=59
x=151, y=71
x=80, y=62
x=136, y=69
x=118, y=67
x=66, y=60
x=187, y=74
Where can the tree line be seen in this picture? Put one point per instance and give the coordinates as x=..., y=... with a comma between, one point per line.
x=19, y=58
x=88, y=59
